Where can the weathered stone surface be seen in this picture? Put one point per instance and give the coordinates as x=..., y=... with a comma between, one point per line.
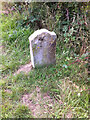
x=42, y=48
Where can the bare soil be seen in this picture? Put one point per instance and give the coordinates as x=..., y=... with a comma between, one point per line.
x=40, y=104
x=24, y=68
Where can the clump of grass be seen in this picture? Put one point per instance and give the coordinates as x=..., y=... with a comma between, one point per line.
x=22, y=112
x=15, y=39
x=71, y=99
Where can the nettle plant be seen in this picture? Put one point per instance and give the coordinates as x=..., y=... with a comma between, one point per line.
x=71, y=23
x=33, y=14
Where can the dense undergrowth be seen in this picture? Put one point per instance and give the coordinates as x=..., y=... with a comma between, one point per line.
x=67, y=81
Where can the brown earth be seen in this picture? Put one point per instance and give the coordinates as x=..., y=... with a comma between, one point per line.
x=40, y=104
x=24, y=68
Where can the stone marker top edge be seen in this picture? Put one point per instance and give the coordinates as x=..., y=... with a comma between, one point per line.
x=40, y=31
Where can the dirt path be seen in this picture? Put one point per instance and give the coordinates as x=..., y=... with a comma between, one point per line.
x=24, y=68
x=40, y=104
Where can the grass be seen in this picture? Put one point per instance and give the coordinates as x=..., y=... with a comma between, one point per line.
x=64, y=82
x=15, y=39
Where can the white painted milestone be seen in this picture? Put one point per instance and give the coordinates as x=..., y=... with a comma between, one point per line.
x=42, y=48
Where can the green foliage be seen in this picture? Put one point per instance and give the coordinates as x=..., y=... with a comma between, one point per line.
x=33, y=14
x=71, y=22
x=15, y=38
x=67, y=81
x=22, y=112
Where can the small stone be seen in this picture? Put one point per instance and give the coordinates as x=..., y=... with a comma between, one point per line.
x=42, y=48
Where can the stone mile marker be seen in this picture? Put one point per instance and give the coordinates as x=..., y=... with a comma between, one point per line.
x=42, y=48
